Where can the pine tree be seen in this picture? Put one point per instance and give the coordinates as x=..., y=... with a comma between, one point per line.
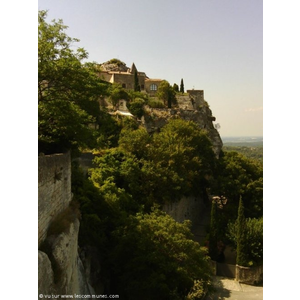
x=181, y=86
x=241, y=258
x=137, y=87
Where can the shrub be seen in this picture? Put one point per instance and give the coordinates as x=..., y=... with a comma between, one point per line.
x=136, y=107
x=156, y=104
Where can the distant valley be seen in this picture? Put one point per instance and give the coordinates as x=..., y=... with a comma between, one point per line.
x=247, y=141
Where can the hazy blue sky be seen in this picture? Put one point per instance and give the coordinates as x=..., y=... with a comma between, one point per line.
x=214, y=45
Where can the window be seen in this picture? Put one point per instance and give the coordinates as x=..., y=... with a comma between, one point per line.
x=124, y=86
x=153, y=87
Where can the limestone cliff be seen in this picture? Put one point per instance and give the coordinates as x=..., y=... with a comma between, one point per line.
x=156, y=118
x=61, y=271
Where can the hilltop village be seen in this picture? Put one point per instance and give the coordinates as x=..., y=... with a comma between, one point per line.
x=116, y=71
x=190, y=105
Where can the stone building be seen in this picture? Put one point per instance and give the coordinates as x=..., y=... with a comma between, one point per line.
x=115, y=71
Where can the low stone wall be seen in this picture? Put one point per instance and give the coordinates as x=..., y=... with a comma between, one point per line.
x=249, y=275
x=54, y=189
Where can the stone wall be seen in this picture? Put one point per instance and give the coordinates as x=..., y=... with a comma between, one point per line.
x=249, y=275
x=54, y=189
x=185, y=102
x=106, y=76
x=197, y=96
x=149, y=82
x=127, y=79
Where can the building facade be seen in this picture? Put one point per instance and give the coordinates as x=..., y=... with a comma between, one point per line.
x=113, y=73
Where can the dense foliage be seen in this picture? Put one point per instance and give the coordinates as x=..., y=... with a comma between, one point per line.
x=254, y=239
x=143, y=254
x=156, y=258
x=166, y=93
x=68, y=91
x=241, y=239
x=252, y=152
x=237, y=176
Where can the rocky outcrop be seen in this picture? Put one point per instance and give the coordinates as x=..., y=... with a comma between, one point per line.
x=114, y=65
x=46, y=276
x=155, y=118
x=61, y=271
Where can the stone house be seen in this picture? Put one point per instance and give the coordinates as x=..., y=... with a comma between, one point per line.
x=120, y=73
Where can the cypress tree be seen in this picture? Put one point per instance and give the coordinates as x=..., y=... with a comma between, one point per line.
x=241, y=258
x=181, y=86
x=213, y=240
x=137, y=87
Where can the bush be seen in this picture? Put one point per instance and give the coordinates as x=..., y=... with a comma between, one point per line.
x=136, y=107
x=156, y=104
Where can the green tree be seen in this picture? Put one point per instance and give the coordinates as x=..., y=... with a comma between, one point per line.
x=117, y=93
x=238, y=176
x=156, y=258
x=181, y=86
x=68, y=91
x=176, y=88
x=180, y=156
x=135, y=142
x=254, y=236
x=242, y=258
x=108, y=131
x=137, y=87
x=136, y=107
x=166, y=93
x=181, y=146
x=63, y=125
x=213, y=232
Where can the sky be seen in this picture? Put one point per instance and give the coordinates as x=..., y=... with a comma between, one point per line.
x=214, y=45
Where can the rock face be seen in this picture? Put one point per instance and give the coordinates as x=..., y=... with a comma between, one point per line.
x=46, y=276
x=190, y=107
x=61, y=271
x=156, y=118
x=187, y=208
x=54, y=189
x=114, y=65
